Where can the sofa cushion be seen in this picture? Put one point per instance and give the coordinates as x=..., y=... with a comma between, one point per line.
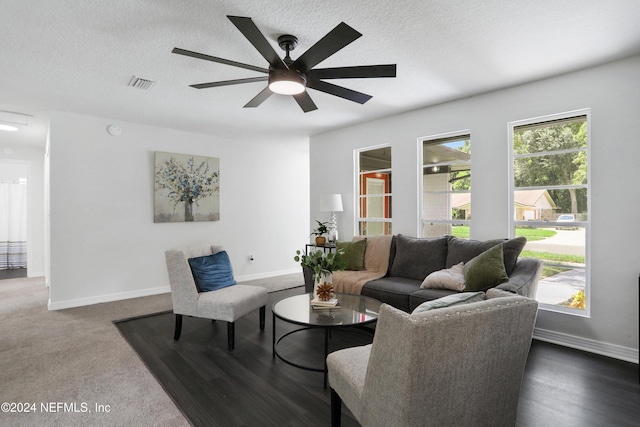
x=394, y=291
x=486, y=270
x=416, y=258
x=448, y=278
x=421, y=295
x=462, y=250
x=212, y=272
x=450, y=300
x=353, y=254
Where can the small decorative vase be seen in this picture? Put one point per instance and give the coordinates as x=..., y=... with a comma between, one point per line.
x=322, y=282
x=321, y=240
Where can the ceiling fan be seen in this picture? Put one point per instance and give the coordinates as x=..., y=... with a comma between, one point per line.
x=288, y=77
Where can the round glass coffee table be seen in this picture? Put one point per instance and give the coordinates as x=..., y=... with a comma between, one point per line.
x=353, y=311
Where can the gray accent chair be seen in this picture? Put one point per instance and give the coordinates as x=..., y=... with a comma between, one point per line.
x=459, y=365
x=226, y=304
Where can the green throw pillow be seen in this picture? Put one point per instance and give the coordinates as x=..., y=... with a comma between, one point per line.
x=450, y=300
x=353, y=254
x=486, y=270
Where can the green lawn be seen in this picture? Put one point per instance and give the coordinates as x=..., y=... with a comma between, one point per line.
x=550, y=256
x=462, y=231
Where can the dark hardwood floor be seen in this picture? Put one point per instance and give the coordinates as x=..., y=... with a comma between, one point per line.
x=248, y=387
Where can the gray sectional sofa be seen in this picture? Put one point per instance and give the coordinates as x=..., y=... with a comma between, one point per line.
x=411, y=260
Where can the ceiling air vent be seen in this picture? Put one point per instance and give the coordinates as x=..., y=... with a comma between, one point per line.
x=140, y=83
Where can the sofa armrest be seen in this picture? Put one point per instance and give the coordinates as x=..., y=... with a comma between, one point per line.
x=524, y=278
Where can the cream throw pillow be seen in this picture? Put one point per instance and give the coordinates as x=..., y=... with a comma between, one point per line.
x=449, y=278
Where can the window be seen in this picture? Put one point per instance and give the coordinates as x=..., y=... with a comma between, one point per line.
x=550, y=202
x=374, y=191
x=446, y=185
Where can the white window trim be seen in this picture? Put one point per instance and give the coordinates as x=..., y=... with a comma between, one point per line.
x=512, y=221
x=420, y=186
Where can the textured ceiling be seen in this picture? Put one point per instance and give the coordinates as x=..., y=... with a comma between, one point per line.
x=79, y=55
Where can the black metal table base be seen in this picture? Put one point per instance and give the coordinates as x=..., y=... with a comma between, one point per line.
x=327, y=333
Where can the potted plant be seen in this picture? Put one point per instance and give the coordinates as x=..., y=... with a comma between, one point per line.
x=319, y=232
x=322, y=265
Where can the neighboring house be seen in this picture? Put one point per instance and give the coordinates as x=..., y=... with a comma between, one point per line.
x=534, y=205
x=530, y=205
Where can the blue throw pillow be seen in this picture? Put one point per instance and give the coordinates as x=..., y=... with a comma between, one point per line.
x=212, y=272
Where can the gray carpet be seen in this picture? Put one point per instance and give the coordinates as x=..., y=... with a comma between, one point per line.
x=77, y=356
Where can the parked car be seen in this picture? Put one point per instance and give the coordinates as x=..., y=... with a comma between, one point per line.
x=566, y=218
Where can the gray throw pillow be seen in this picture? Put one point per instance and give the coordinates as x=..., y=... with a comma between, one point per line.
x=463, y=250
x=416, y=258
x=450, y=300
x=485, y=271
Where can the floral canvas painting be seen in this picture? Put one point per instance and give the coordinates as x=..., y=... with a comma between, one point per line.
x=187, y=188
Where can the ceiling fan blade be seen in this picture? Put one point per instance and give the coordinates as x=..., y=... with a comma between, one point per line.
x=257, y=39
x=358, y=72
x=335, y=40
x=218, y=60
x=340, y=91
x=259, y=98
x=230, y=82
x=305, y=102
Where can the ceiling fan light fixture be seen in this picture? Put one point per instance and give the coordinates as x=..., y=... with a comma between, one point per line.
x=286, y=82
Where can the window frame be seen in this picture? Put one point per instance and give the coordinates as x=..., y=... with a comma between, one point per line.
x=513, y=223
x=421, y=167
x=357, y=214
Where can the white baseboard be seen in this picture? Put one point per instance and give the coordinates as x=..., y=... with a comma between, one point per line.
x=60, y=305
x=31, y=274
x=267, y=275
x=605, y=349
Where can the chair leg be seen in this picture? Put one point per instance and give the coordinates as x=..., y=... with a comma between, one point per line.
x=262, y=314
x=231, y=335
x=336, y=409
x=176, y=335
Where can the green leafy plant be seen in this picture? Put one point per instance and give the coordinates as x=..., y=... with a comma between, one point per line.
x=321, y=229
x=577, y=301
x=320, y=262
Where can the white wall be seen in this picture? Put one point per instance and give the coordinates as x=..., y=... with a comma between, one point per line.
x=104, y=243
x=613, y=94
x=33, y=159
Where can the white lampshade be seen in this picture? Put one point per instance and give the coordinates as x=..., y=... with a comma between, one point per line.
x=331, y=203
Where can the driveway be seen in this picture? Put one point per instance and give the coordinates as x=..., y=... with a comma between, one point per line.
x=569, y=242
x=560, y=287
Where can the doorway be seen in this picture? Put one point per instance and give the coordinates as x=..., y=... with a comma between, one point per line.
x=13, y=219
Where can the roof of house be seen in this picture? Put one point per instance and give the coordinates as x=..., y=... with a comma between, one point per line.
x=526, y=198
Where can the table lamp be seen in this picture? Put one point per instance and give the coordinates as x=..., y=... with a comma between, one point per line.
x=331, y=203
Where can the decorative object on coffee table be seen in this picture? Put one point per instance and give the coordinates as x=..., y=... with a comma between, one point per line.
x=322, y=264
x=325, y=291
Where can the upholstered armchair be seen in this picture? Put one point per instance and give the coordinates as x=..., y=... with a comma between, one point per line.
x=459, y=365
x=226, y=304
